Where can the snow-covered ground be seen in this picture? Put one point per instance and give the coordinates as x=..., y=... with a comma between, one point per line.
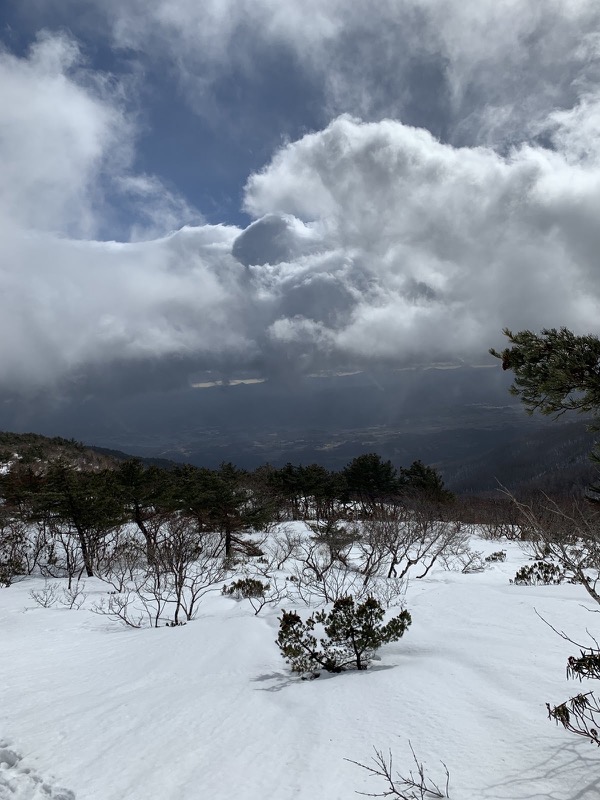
x=90, y=710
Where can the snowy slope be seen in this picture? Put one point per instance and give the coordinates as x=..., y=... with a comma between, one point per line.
x=210, y=711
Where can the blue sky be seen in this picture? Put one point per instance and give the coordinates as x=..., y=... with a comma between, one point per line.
x=204, y=158
x=251, y=186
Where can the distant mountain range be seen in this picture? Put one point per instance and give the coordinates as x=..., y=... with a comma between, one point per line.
x=461, y=420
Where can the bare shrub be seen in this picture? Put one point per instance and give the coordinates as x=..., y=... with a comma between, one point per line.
x=319, y=577
x=460, y=557
x=143, y=603
x=74, y=596
x=394, y=540
x=121, y=564
x=390, y=592
x=413, y=785
x=568, y=533
x=47, y=596
x=124, y=607
x=186, y=566
x=278, y=548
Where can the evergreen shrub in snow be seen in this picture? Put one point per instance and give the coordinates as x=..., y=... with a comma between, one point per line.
x=258, y=593
x=246, y=588
x=353, y=634
x=540, y=572
x=499, y=555
x=581, y=714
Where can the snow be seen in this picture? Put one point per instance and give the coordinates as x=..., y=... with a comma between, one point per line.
x=209, y=710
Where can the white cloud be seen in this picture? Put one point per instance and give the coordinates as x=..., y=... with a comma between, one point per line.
x=66, y=301
x=371, y=242
x=67, y=143
x=486, y=72
x=57, y=133
x=66, y=305
x=439, y=247
x=159, y=208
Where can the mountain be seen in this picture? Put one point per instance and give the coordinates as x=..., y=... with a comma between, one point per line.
x=32, y=448
x=460, y=419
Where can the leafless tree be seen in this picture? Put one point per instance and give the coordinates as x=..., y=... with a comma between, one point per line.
x=191, y=563
x=281, y=546
x=37, y=545
x=396, y=539
x=63, y=558
x=13, y=549
x=568, y=533
x=319, y=577
x=126, y=559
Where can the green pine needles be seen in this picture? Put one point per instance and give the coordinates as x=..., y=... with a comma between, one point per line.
x=540, y=573
x=555, y=371
x=353, y=634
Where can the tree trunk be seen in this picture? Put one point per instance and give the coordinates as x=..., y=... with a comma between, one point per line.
x=87, y=560
x=150, y=543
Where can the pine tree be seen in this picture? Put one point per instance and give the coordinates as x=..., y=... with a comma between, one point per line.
x=353, y=634
x=555, y=371
x=424, y=482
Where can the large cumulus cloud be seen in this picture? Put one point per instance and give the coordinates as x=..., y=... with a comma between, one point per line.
x=438, y=247
x=372, y=241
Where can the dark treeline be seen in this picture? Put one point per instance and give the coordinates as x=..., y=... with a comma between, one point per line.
x=89, y=503
x=76, y=514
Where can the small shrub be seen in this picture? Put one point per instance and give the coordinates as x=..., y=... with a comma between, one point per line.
x=74, y=596
x=353, y=634
x=539, y=573
x=412, y=785
x=470, y=562
x=499, y=555
x=586, y=666
x=257, y=593
x=47, y=596
x=581, y=714
x=246, y=588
